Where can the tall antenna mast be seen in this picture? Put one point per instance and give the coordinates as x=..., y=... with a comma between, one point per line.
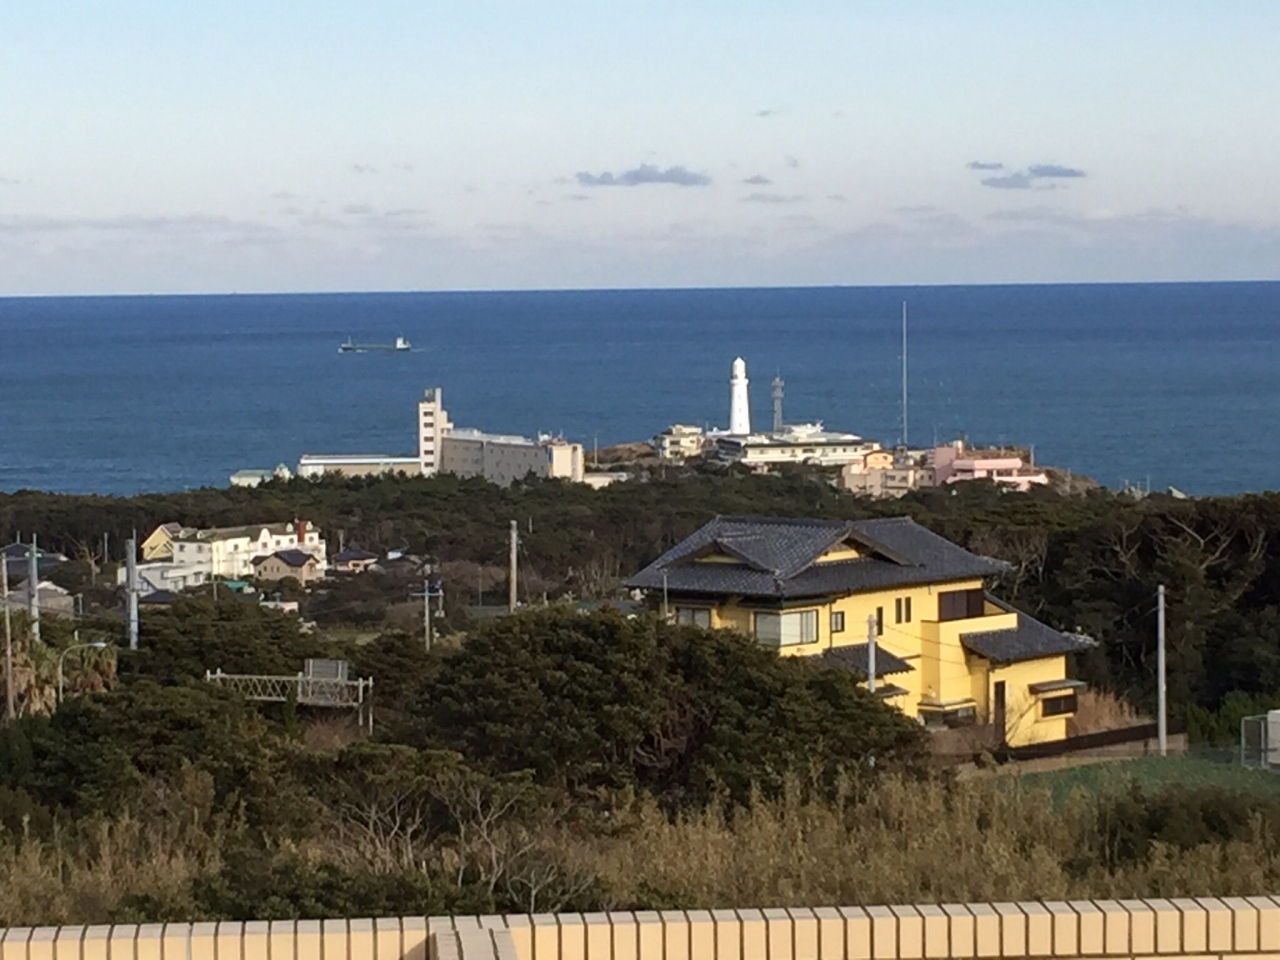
x=904, y=373
x=777, y=404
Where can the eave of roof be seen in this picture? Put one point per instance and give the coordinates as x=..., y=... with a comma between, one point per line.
x=854, y=659
x=1030, y=640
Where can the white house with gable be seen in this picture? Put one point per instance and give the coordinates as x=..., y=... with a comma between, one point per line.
x=229, y=551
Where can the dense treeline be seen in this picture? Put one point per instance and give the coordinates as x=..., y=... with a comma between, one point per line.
x=1088, y=563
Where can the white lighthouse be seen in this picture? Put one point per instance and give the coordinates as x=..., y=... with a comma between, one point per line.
x=739, y=402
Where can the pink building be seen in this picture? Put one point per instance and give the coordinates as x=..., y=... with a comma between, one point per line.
x=954, y=464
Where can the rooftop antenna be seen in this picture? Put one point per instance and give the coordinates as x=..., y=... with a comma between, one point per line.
x=904, y=374
x=777, y=404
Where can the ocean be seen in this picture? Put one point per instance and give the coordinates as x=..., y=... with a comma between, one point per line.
x=1166, y=384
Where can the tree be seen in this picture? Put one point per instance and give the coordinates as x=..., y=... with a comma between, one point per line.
x=595, y=703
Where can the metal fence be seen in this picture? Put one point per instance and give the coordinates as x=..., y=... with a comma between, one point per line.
x=304, y=689
x=1260, y=741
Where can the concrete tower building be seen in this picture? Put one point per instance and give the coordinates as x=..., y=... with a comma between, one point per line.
x=739, y=402
x=433, y=427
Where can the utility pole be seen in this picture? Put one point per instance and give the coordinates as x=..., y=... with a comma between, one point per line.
x=131, y=584
x=871, y=653
x=426, y=610
x=9, y=709
x=33, y=588
x=427, y=593
x=666, y=609
x=511, y=575
x=1162, y=705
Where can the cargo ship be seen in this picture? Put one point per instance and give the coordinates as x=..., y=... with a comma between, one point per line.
x=398, y=345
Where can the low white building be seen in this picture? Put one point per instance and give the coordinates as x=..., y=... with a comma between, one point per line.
x=163, y=575
x=313, y=466
x=680, y=441
x=796, y=443
x=253, y=478
x=599, y=479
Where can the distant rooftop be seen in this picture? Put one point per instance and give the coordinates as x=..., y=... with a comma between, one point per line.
x=470, y=433
x=356, y=458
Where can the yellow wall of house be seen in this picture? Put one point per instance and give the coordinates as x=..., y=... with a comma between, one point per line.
x=1024, y=722
x=944, y=674
x=843, y=552
x=158, y=545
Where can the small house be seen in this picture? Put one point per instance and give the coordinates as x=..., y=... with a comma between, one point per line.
x=353, y=560
x=298, y=564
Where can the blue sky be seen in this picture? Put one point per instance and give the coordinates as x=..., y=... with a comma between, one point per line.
x=157, y=146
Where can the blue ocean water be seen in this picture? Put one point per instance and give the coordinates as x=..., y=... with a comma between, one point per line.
x=1174, y=384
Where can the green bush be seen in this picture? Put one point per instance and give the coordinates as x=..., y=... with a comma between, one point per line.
x=601, y=702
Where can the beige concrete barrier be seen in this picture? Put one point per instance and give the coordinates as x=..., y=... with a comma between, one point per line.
x=1184, y=929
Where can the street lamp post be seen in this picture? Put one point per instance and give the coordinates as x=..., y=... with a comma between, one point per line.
x=95, y=645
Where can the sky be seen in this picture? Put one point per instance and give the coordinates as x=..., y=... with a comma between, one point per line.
x=148, y=146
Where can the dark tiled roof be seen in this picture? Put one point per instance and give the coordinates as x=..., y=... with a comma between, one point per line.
x=854, y=658
x=354, y=554
x=775, y=558
x=293, y=558
x=1030, y=640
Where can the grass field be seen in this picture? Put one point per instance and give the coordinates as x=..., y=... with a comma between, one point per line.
x=1201, y=769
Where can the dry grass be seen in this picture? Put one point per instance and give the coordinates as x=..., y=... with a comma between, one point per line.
x=903, y=842
x=975, y=841
x=1097, y=711
x=83, y=873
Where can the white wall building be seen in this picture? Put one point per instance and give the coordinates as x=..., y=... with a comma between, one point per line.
x=163, y=575
x=229, y=551
x=680, y=441
x=797, y=443
x=433, y=427
x=253, y=478
x=313, y=466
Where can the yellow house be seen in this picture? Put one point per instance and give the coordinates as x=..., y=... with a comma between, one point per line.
x=945, y=650
x=159, y=544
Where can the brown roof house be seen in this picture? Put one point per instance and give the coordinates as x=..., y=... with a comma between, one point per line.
x=298, y=564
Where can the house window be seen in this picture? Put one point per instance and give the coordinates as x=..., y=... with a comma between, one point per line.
x=902, y=610
x=879, y=621
x=960, y=604
x=787, y=629
x=837, y=621
x=696, y=616
x=1058, y=706
x=906, y=606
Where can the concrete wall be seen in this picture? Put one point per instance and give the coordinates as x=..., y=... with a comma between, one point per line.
x=1203, y=929
x=497, y=461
